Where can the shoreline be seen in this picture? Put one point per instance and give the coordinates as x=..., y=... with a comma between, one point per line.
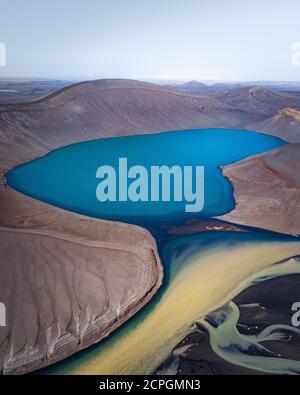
x=263, y=307
x=29, y=134
x=25, y=216
x=149, y=339
x=63, y=224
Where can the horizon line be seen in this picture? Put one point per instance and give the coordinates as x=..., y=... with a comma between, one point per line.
x=144, y=79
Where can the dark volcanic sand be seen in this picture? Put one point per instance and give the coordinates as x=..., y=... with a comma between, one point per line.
x=276, y=297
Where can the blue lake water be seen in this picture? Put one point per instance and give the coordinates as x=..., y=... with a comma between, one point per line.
x=66, y=177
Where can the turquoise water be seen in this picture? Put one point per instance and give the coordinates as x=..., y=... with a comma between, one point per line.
x=67, y=177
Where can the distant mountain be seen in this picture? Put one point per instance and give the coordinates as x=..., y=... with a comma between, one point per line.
x=277, y=86
x=190, y=87
x=257, y=100
x=102, y=108
x=271, y=111
x=24, y=90
x=199, y=88
x=195, y=87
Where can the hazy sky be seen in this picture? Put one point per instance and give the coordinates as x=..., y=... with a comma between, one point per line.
x=151, y=39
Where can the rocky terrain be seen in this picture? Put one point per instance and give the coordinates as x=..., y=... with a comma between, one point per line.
x=260, y=305
x=257, y=100
x=267, y=190
x=35, y=237
x=67, y=280
x=285, y=124
x=100, y=109
x=67, y=287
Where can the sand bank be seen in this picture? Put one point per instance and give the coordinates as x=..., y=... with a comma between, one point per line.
x=202, y=280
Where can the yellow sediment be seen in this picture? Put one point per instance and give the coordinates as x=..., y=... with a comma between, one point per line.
x=207, y=281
